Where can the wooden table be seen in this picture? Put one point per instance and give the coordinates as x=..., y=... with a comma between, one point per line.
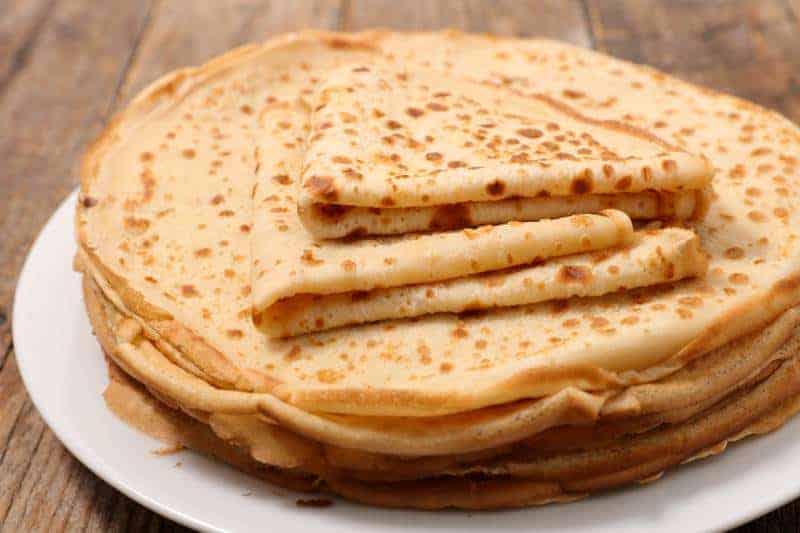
x=67, y=65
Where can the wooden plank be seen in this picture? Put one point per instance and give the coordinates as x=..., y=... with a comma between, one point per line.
x=174, y=39
x=16, y=463
x=58, y=100
x=409, y=15
x=20, y=24
x=43, y=488
x=74, y=501
x=14, y=399
x=553, y=19
x=748, y=47
x=550, y=18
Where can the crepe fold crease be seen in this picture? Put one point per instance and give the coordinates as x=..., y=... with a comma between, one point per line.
x=327, y=221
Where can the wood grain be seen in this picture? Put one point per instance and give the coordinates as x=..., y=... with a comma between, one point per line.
x=56, y=101
x=554, y=19
x=20, y=24
x=174, y=38
x=563, y=20
x=747, y=48
x=67, y=65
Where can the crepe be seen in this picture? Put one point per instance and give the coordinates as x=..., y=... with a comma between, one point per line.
x=517, y=479
x=382, y=135
x=643, y=459
x=274, y=446
x=562, y=421
x=135, y=405
x=516, y=476
x=166, y=222
x=655, y=257
x=287, y=261
x=189, y=196
x=325, y=221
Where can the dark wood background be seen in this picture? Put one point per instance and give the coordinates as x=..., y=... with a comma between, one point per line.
x=67, y=65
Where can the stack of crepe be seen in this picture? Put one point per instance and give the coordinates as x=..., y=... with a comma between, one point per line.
x=443, y=270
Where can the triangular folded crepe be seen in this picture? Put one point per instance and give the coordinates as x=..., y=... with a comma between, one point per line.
x=655, y=257
x=383, y=137
x=288, y=261
x=290, y=268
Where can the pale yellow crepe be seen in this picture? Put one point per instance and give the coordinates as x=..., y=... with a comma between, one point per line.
x=655, y=257
x=287, y=261
x=566, y=421
x=512, y=478
x=329, y=221
x=385, y=135
x=773, y=385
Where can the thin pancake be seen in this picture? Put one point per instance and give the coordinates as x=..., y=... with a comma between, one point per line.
x=687, y=392
x=654, y=257
x=773, y=401
x=288, y=261
x=330, y=222
x=384, y=136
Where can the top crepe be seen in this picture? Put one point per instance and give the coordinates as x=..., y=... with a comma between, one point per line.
x=287, y=261
x=165, y=225
x=383, y=135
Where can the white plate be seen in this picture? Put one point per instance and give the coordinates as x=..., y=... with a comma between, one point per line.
x=63, y=369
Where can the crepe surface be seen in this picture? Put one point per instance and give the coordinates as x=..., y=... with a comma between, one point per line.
x=384, y=135
x=167, y=227
x=287, y=260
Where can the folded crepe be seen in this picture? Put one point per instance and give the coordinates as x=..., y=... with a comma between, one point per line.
x=328, y=222
x=290, y=269
x=396, y=150
x=656, y=256
x=167, y=228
